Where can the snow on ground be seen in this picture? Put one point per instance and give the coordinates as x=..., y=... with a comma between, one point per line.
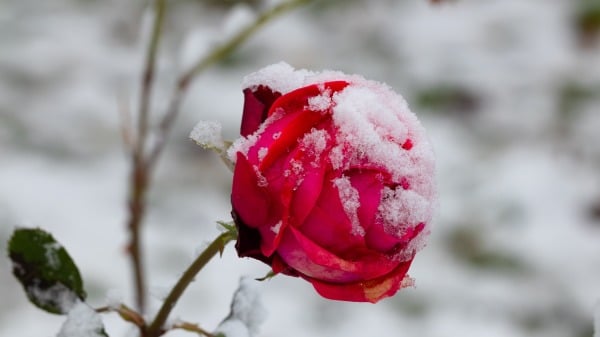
x=507, y=93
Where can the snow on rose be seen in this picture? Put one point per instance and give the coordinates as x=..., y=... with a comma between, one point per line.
x=333, y=181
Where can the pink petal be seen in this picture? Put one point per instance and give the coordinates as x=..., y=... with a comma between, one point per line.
x=369, y=185
x=256, y=105
x=314, y=261
x=250, y=201
x=365, y=291
x=328, y=224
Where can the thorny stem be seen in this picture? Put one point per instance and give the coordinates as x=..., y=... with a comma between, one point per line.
x=216, y=55
x=217, y=246
x=139, y=174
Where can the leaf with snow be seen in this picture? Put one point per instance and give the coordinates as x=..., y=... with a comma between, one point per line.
x=48, y=274
x=82, y=321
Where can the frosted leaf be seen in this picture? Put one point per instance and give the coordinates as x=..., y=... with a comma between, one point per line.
x=82, y=321
x=52, y=249
x=349, y=197
x=57, y=295
x=207, y=134
x=247, y=311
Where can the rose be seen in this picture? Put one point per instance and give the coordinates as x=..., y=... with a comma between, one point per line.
x=333, y=181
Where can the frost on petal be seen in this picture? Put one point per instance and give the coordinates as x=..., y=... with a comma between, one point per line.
x=82, y=321
x=349, y=197
x=207, y=134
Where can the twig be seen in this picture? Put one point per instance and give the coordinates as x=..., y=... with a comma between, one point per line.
x=216, y=55
x=126, y=313
x=139, y=174
x=192, y=328
x=217, y=246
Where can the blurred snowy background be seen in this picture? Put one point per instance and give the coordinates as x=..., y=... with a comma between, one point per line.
x=509, y=91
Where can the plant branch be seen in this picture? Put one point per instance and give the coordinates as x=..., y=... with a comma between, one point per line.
x=215, y=56
x=192, y=328
x=217, y=246
x=126, y=313
x=138, y=181
x=149, y=71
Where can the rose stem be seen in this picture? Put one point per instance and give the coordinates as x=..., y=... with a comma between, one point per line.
x=138, y=182
x=155, y=328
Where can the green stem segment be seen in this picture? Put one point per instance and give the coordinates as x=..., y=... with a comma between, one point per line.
x=156, y=327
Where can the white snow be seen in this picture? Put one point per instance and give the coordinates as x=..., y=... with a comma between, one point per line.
x=321, y=102
x=51, y=254
x=247, y=311
x=276, y=227
x=82, y=321
x=208, y=134
x=350, y=200
x=57, y=295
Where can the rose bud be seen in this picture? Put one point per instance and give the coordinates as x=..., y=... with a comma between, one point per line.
x=333, y=181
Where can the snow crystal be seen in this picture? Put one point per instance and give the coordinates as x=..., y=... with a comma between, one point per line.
x=349, y=198
x=51, y=252
x=57, y=295
x=369, y=126
x=82, y=321
x=321, y=102
x=400, y=208
x=280, y=77
x=315, y=142
x=275, y=229
x=262, y=153
x=247, y=311
x=207, y=134
x=262, y=180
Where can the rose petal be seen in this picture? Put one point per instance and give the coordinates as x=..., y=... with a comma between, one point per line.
x=369, y=185
x=257, y=103
x=250, y=201
x=328, y=224
x=297, y=100
x=367, y=291
x=314, y=261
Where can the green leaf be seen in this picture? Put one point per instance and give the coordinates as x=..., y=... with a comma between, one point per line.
x=48, y=274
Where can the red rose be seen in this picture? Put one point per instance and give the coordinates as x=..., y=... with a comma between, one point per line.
x=333, y=181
